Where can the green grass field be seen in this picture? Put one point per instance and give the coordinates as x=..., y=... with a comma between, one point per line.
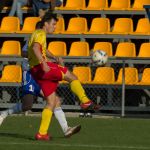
x=17, y=133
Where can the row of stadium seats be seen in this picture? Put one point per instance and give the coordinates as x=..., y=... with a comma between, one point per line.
x=103, y=75
x=59, y=48
x=103, y=5
x=100, y=5
x=79, y=25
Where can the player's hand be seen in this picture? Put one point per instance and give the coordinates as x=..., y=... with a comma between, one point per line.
x=46, y=68
x=60, y=61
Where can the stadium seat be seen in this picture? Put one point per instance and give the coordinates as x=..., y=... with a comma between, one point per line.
x=125, y=49
x=143, y=27
x=83, y=74
x=144, y=50
x=119, y=5
x=145, y=77
x=96, y=5
x=57, y=48
x=10, y=25
x=60, y=26
x=11, y=48
x=77, y=25
x=122, y=26
x=73, y=5
x=12, y=73
x=131, y=76
x=138, y=4
x=99, y=26
x=105, y=46
x=104, y=75
x=79, y=49
x=29, y=24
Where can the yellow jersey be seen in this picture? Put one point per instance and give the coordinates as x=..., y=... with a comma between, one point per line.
x=38, y=36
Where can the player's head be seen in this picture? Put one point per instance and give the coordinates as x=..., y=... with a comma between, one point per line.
x=48, y=22
x=38, y=25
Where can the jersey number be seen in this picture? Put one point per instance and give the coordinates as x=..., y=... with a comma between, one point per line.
x=31, y=88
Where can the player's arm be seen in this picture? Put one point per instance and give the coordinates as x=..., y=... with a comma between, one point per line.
x=38, y=54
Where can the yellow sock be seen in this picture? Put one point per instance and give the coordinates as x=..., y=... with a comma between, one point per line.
x=46, y=120
x=78, y=90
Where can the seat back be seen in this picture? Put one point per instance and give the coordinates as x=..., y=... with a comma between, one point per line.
x=123, y=25
x=83, y=74
x=60, y=26
x=79, y=49
x=104, y=75
x=143, y=25
x=97, y=4
x=120, y=4
x=144, y=50
x=57, y=48
x=146, y=76
x=105, y=46
x=131, y=76
x=77, y=24
x=100, y=25
x=75, y=4
x=30, y=24
x=11, y=24
x=125, y=49
x=139, y=3
x=11, y=73
x=11, y=48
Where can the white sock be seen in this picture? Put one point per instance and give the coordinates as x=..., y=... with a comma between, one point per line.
x=60, y=116
x=15, y=109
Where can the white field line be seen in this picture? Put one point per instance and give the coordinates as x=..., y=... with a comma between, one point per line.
x=77, y=146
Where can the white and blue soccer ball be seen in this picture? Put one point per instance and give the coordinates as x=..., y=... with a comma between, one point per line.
x=99, y=57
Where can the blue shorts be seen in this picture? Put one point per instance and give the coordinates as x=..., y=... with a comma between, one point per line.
x=29, y=86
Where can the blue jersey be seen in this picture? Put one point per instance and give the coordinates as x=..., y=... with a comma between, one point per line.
x=29, y=85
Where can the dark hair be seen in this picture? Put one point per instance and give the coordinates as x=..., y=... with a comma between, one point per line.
x=47, y=17
x=38, y=25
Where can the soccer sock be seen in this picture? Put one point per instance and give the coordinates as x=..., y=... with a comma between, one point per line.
x=15, y=109
x=77, y=89
x=60, y=116
x=46, y=120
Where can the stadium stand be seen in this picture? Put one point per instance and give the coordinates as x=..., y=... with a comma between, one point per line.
x=144, y=50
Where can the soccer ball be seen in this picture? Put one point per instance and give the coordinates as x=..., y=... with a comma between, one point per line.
x=99, y=57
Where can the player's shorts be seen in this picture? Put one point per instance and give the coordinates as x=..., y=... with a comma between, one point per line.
x=48, y=81
x=29, y=86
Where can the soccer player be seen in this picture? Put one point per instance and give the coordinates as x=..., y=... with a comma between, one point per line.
x=30, y=92
x=47, y=74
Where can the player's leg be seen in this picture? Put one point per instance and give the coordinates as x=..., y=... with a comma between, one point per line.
x=78, y=90
x=27, y=102
x=60, y=116
x=46, y=117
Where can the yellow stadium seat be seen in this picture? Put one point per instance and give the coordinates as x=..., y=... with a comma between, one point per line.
x=60, y=26
x=104, y=75
x=143, y=27
x=138, y=4
x=77, y=25
x=29, y=24
x=83, y=74
x=99, y=26
x=96, y=5
x=79, y=49
x=11, y=48
x=122, y=26
x=105, y=46
x=57, y=48
x=10, y=25
x=125, y=49
x=12, y=73
x=119, y=5
x=131, y=76
x=73, y=5
x=145, y=77
x=144, y=50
